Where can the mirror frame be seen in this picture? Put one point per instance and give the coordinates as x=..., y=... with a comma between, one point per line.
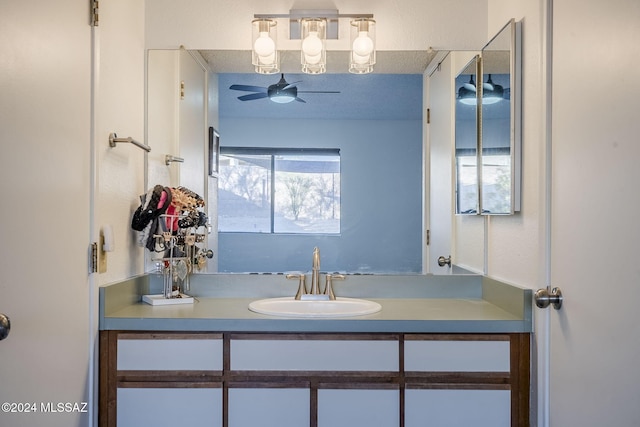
x=472, y=68
x=513, y=29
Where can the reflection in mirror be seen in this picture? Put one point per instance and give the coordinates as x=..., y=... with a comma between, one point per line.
x=466, y=139
x=500, y=123
x=381, y=169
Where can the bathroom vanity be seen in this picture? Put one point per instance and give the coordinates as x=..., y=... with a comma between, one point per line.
x=453, y=350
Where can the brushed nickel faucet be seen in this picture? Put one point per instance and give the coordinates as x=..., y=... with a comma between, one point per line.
x=315, y=280
x=315, y=272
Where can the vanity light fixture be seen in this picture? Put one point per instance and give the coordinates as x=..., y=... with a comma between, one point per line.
x=313, y=28
x=264, y=55
x=313, y=54
x=363, y=46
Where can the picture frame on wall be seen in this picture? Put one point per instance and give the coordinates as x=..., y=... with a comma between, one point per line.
x=214, y=151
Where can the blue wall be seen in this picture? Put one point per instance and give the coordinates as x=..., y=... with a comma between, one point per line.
x=381, y=197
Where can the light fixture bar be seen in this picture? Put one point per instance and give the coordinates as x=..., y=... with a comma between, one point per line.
x=295, y=15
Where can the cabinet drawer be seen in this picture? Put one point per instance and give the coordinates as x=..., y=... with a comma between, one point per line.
x=184, y=352
x=456, y=356
x=314, y=355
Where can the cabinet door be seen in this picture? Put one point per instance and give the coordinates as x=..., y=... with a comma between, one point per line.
x=170, y=407
x=358, y=408
x=269, y=407
x=457, y=408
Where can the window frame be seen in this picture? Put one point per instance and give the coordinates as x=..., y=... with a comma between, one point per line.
x=273, y=152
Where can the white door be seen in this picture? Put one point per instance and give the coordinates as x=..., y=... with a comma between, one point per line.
x=595, y=255
x=192, y=124
x=45, y=136
x=440, y=189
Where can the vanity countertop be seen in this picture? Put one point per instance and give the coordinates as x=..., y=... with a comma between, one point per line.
x=420, y=304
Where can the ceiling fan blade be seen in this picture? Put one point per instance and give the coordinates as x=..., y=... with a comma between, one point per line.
x=318, y=91
x=252, y=96
x=247, y=88
x=292, y=84
x=301, y=100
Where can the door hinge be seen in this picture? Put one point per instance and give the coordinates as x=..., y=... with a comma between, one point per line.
x=428, y=115
x=93, y=268
x=428, y=237
x=95, y=13
x=182, y=90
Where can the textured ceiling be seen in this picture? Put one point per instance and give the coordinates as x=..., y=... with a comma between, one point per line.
x=392, y=92
x=361, y=97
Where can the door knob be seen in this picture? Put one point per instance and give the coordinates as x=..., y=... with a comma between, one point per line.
x=442, y=261
x=544, y=298
x=5, y=326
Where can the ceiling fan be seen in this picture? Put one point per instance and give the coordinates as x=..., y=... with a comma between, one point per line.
x=281, y=92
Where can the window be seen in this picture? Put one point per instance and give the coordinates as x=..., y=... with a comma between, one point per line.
x=267, y=190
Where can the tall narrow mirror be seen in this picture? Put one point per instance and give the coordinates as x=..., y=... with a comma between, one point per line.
x=500, y=123
x=466, y=139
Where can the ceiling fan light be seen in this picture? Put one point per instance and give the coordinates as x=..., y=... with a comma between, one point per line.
x=282, y=98
x=264, y=55
x=363, y=45
x=313, y=53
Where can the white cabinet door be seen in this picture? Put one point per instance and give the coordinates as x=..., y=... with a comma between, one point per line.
x=169, y=407
x=457, y=408
x=269, y=407
x=358, y=408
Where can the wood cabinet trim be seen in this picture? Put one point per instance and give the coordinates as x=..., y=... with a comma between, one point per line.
x=517, y=379
x=295, y=336
x=169, y=336
x=169, y=384
x=456, y=337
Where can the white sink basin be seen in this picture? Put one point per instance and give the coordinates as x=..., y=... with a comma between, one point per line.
x=290, y=307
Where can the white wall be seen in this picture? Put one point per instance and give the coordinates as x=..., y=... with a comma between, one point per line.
x=515, y=244
x=380, y=195
x=401, y=24
x=120, y=96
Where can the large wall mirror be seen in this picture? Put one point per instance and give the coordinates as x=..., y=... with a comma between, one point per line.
x=500, y=140
x=381, y=172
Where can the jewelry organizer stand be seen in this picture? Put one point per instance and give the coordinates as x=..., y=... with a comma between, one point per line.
x=180, y=254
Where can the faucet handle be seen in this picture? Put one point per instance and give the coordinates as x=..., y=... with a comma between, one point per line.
x=328, y=286
x=302, y=287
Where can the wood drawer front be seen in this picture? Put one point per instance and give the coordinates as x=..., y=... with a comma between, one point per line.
x=456, y=356
x=314, y=355
x=197, y=354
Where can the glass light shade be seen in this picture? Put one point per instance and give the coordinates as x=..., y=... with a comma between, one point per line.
x=313, y=54
x=363, y=46
x=264, y=54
